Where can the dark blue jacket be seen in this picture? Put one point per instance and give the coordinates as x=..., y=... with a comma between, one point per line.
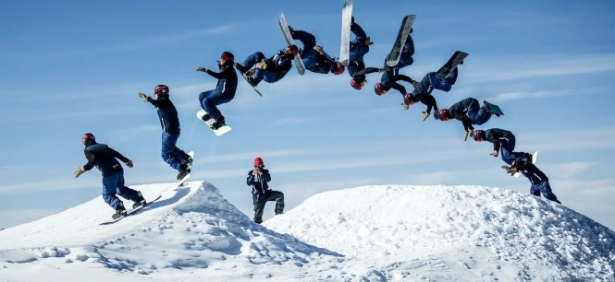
x=167, y=114
x=358, y=49
x=530, y=171
x=227, y=79
x=103, y=158
x=459, y=111
x=259, y=182
x=498, y=137
x=279, y=64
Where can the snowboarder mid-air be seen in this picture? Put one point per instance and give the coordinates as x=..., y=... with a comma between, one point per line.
x=392, y=72
x=504, y=141
x=103, y=157
x=359, y=46
x=422, y=91
x=469, y=112
x=539, y=180
x=169, y=120
x=314, y=58
x=258, y=178
x=224, y=92
x=257, y=67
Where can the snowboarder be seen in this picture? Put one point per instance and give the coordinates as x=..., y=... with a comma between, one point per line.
x=358, y=48
x=539, y=181
x=422, y=91
x=169, y=120
x=225, y=90
x=469, y=112
x=503, y=140
x=314, y=58
x=382, y=88
x=270, y=69
x=392, y=72
x=258, y=178
x=103, y=157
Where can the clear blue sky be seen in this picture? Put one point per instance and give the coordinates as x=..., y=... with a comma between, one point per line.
x=69, y=67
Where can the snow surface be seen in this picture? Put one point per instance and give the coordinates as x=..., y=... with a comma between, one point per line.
x=370, y=233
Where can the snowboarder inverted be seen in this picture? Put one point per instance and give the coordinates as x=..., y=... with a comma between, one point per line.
x=392, y=72
x=257, y=67
x=314, y=58
x=539, y=180
x=469, y=112
x=422, y=91
x=169, y=120
x=504, y=141
x=359, y=46
x=224, y=92
x=103, y=157
x=258, y=178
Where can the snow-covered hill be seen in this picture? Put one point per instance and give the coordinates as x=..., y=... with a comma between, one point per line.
x=371, y=233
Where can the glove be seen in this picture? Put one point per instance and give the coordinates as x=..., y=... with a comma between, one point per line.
x=472, y=132
x=510, y=170
x=368, y=41
x=129, y=163
x=250, y=72
x=79, y=171
x=494, y=154
x=319, y=49
x=262, y=64
x=465, y=135
x=425, y=115
x=143, y=96
x=415, y=84
x=201, y=69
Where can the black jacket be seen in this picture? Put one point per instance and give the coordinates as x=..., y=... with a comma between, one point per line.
x=103, y=158
x=167, y=114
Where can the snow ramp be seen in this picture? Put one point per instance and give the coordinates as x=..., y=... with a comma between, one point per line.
x=191, y=232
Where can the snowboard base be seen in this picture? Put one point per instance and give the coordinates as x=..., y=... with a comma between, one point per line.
x=494, y=108
x=290, y=41
x=220, y=131
x=404, y=31
x=451, y=64
x=346, y=23
x=534, y=158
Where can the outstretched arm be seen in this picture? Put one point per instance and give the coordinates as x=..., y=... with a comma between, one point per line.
x=405, y=78
x=368, y=70
x=117, y=155
x=428, y=100
x=397, y=86
x=226, y=72
x=91, y=160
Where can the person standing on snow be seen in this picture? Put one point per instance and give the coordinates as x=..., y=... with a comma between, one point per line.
x=539, y=180
x=258, y=178
x=103, y=157
x=169, y=120
x=224, y=92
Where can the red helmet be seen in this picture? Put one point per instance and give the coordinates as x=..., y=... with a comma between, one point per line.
x=443, y=115
x=161, y=89
x=293, y=49
x=478, y=135
x=258, y=161
x=408, y=99
x=355, y=84
x=227, y=56
x=87, y=138
x=339, y=68
x=378, y=89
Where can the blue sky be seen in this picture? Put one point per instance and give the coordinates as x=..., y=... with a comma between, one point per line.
x=74, y=67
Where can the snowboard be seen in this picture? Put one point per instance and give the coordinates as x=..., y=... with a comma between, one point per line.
x=290, y=41
x=451, y=64
x=181, y=182
x=404, y=30
x=493, y=108
x=534, y=158
x=345, y=44
x=220, y=131
x=132, y=211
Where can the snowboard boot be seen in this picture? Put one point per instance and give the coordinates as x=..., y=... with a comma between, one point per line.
x=187, y=161
x=120, y=211
x=292, y=31
x=437, y=115
x=218, y=123
x=529, y=157
x=252, y=81
x=279, y=213
x=241, y=68
x=183, y=171
x=258, y=220
x=205, y=117
x=140, y=202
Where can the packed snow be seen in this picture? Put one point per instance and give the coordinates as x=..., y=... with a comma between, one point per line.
x=369, y=233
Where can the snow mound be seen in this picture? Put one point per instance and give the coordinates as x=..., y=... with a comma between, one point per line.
x=454, y=233
x=188, y=228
